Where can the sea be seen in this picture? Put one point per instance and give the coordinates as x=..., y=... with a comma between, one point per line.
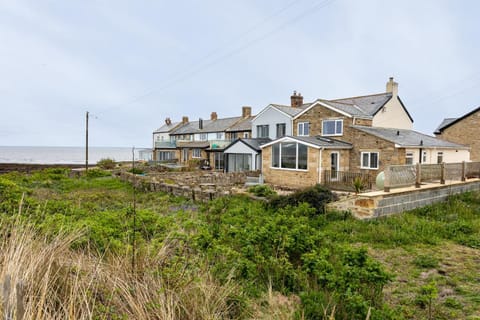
x=67, y=155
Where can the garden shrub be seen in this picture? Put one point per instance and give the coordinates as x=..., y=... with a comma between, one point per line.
x=106, y=163
x=262, y=190
x=316, y=196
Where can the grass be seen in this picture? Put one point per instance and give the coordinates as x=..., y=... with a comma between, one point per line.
x=68, y=241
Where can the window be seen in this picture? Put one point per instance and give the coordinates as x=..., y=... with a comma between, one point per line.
x=245, y=135
x=196, y=153
x=369, y=160
x=184, y=155
x=218, y=159
x=303, y=128
x=424, y=156
x=409, y=158
x=289, y=155
x=332, y=127
x=219, y=135
x=281, y=130
x=203, y=136
x=165, y=155
x=239, y=162
x=234, y=135
x=439, y=157
x=262, y=131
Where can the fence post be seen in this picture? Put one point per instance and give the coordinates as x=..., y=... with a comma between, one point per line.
x=464, y=170
x=386, y=183
x=418, y=180
x=442, y=173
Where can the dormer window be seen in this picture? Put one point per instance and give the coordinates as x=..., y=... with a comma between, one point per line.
x=332, y=127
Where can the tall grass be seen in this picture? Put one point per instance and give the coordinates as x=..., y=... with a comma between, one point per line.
x=57, y=282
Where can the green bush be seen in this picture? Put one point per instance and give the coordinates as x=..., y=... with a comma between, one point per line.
x=317, y=197
x=136, y=171
x=106, y=163
x=262, y=190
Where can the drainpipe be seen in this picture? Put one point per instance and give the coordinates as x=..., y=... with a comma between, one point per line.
x=320, y=165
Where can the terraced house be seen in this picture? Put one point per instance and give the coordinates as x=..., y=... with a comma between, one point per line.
x=325, y=138
x=464, y=130
x=201, y=141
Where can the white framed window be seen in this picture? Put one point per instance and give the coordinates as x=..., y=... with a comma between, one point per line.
x=424, y=156
x=245, y=135
x=332, y=127
x=303, y=129
x=219, y=135
x=262, y=131
x=281, y=130
x=196, y=153
x=290, y=155
x=409, y=158
x=439, y=157
x=369, y=160
x=203, y=136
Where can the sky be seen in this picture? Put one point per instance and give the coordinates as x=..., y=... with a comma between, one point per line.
x=131, y=64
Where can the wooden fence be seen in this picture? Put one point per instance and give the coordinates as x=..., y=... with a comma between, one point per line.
x=346, y=181
x=416, y=175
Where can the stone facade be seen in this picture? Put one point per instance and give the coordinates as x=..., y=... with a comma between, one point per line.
x=361, y=141
x=467, y=132
x=289, y=177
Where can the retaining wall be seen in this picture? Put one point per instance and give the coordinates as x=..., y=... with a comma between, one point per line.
x=378, y=204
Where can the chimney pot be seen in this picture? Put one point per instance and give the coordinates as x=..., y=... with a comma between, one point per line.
x=168, y=121
x=296, y=100
x=213, y=116
x=246, y=112
x=184, y=119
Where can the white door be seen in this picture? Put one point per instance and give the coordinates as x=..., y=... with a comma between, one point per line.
x=334, y=165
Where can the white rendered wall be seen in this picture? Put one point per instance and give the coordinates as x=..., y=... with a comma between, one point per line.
x=271, y=117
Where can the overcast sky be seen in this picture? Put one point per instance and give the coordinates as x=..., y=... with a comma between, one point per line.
x=134, y=63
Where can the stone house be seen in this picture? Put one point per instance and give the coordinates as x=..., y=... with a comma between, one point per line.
x=204, y=140
x=377, y=128
x=464, y=130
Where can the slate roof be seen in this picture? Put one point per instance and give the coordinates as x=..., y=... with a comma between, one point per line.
x=242, y=125
x=325, y=142
x=367, y=105
x=450, y=121
x=445, y=123
x=166, y=127
x=291, y=110
x=218, y=125
x=409, y=138
x=255, y=143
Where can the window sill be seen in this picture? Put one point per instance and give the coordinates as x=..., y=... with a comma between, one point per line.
x=288, y=169
x=365, y=168
x=332, y=135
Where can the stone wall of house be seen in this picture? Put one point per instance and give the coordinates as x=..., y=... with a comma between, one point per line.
x=364, y=142
x=344, y=156
x=362, y=122
x=361, y=141
x=288, y=177
x=466, y=132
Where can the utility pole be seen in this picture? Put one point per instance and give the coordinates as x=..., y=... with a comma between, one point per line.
x=86, y=142
x=134, y=210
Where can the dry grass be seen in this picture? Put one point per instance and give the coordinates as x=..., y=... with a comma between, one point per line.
x=52, y=281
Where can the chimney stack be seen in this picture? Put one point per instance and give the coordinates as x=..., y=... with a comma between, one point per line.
x=246, y=112
x=168, y=121
x=392, y=87
x=213, y=116
x=296, y=100
x=200, y=123
x=184, y=119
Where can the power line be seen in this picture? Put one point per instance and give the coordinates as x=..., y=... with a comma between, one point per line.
x=187, y=74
